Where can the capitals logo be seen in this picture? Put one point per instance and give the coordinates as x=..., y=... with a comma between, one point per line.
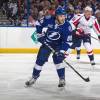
x=53, y=35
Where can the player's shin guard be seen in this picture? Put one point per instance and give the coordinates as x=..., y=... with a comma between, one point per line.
x=89, y=52
x=61, y=75
x=36, y=73
x=91, y=57
x=78, y=52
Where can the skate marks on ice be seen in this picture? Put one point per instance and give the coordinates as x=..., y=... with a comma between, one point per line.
x=15, y=90
x=51, y=92
x=80, y=65
x=84, y=64
x=14, y=76
x=87, y=62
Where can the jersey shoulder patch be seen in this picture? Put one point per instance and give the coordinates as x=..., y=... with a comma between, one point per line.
x=69, y=26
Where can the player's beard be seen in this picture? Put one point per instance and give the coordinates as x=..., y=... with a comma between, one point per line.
x=60, y=21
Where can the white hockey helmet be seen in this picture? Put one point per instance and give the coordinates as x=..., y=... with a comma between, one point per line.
x=88, y=8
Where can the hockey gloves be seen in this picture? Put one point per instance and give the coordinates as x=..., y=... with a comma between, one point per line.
x=41, y=37
x=61, y=55
x=99, y=37
x=79, y=32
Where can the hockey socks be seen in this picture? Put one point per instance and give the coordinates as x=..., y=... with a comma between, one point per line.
x=91, y=57
x=61, y=75
x=36, y=73
x=78, y=54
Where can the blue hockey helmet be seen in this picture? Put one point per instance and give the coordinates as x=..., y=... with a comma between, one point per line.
x=60, y=11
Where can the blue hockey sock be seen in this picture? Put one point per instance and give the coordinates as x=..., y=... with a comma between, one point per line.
x=36, y=73
x=61, y=73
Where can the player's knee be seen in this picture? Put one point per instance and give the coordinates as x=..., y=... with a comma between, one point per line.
x=40, y=62
x=88, y=47
x=59, y=66
x=90, y=52
x=57, y=60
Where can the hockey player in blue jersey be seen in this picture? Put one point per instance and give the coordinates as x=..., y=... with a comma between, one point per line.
x=56, y=36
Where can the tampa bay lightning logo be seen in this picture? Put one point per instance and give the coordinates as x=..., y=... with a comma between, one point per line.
x=53, y=35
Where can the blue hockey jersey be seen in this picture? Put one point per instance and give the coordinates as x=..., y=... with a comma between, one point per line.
x=56, y=34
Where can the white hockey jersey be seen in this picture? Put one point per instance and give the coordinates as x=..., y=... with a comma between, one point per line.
x=80, y=21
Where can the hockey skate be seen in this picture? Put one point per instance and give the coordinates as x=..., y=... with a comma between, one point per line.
x=92, y=62
x=30, y=82
x=61, y=83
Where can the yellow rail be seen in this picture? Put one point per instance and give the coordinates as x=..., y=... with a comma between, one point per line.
x=35, y=50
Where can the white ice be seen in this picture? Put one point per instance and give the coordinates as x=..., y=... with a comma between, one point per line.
x=15, y=69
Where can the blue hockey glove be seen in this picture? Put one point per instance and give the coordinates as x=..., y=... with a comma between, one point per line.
x=60, y=55
x=41, y=38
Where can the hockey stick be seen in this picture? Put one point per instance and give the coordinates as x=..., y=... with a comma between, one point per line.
x=53, y=51
x=95, y=38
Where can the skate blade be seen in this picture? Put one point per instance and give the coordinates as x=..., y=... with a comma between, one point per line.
x=61, y=88
x=27, y=86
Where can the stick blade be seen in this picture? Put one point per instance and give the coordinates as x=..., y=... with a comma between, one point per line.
x=87, y=79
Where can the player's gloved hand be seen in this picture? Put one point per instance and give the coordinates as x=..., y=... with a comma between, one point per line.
x=79, y=32
x=61, y=55
x=99, y=37
x=41, y=37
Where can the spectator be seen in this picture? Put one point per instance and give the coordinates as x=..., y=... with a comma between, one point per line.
x=34, y=12
x=97, y=14
x=52, y=9
x=35, y=9
x=45, y=3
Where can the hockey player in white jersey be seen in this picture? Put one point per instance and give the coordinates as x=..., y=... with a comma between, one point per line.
x=85, y=22
x=76, y=39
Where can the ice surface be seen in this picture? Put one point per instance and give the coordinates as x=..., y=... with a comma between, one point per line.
x=15, y=69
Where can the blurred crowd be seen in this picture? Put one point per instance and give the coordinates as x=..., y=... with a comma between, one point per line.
x=27, y=12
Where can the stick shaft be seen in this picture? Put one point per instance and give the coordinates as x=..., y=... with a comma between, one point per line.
x=85, y=79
